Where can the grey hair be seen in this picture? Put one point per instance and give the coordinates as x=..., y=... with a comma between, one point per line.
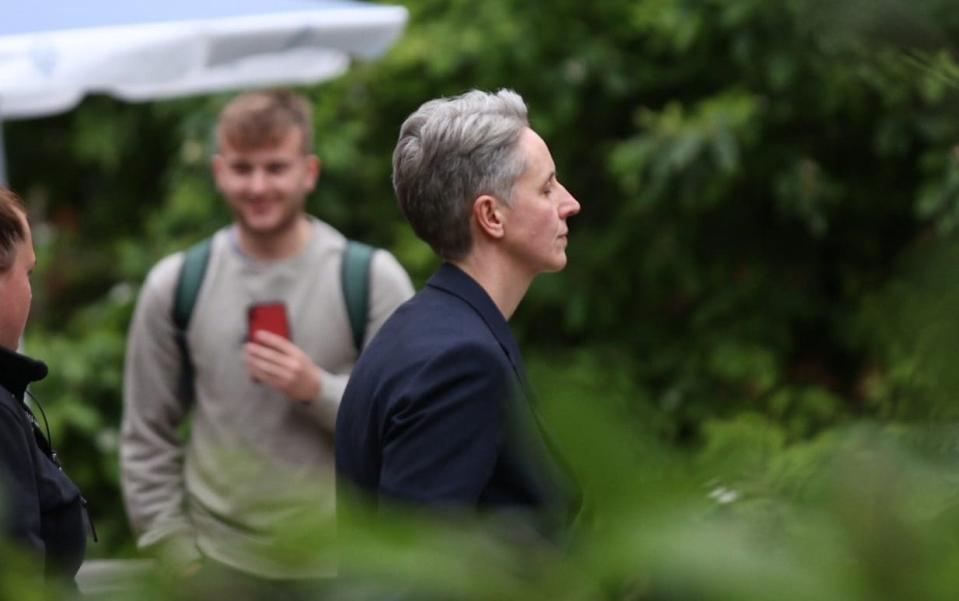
x=451, y=151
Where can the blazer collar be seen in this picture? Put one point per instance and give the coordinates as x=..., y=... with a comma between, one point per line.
x=455, y=281
x=17, y=371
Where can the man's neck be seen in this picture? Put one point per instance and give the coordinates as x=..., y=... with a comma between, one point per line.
x=276, y=245
x=505, y=285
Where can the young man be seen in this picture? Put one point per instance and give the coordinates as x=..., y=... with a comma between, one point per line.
x=437, y=412
x=262, y=407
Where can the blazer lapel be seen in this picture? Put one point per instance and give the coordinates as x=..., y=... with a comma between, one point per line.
x=553, y=479
x=453, y=280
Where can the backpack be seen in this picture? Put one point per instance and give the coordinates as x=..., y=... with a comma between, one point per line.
x=354, y=280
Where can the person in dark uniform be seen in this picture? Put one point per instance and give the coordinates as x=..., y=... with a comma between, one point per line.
x=40, y=508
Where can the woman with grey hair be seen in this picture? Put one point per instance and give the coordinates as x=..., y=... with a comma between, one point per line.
x=437, y=412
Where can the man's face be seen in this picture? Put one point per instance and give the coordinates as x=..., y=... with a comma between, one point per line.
x=536, y=231
x=266, y=187
x=16, y=292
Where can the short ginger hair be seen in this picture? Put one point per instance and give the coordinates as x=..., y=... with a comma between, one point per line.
x=260, y=119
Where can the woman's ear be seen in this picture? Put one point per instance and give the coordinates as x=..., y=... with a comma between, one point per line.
x=490, y=215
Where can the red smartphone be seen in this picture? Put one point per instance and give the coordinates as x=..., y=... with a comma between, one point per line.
x=270, y=317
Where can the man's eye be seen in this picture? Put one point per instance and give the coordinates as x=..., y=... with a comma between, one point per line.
x=277, y=168
x=241, y=169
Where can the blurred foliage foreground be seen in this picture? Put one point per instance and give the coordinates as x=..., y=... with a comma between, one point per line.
x=860, y=512
x=749, y=361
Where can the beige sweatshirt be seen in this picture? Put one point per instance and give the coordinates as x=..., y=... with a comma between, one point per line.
x=253, y=461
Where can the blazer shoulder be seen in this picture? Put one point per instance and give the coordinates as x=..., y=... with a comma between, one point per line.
x=454, y=325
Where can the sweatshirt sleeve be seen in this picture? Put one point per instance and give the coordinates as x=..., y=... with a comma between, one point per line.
x=154, y=407
x=19, y=497
x=390, y=287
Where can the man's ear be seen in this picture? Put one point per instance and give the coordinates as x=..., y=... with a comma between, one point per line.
x=490, y=215
x=313, y=169
x=217, y=165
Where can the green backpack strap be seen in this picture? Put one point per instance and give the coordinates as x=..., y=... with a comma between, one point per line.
x=188, y=283
x=355, y=283
x=355, y=277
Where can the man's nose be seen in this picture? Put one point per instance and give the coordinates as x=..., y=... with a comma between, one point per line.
x=257, y=180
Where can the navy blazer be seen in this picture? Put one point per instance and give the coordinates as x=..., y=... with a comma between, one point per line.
x=437, y=410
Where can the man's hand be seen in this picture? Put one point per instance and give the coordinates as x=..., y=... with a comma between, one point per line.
x=280, y=364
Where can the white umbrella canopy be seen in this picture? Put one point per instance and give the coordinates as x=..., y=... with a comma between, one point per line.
x=54, y=52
